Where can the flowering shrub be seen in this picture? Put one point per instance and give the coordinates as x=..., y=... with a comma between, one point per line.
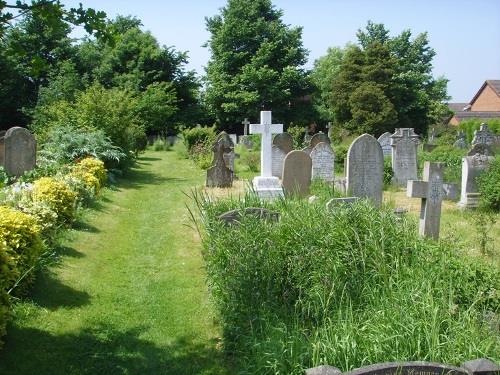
x=8, y=268
x=20, y=235
x=58, y=196
x=94, y=167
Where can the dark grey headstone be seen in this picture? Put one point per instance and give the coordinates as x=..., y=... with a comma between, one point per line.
x=408, y=368
x=219, y=175
x=19, y=151
x=404, y=155
x=297, y=173
x=323, y=370
x=284, y=141
x=481, y=149
x=481, y=366
x=450, y=191
x=318, y=138
x=234, y=216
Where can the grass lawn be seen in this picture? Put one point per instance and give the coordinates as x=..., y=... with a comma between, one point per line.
x=128, y=294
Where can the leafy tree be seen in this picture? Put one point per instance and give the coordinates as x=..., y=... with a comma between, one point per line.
x=157, y=105
x=255, y=64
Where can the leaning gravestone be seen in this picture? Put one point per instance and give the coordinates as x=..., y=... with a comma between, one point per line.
x=319, y=138
x=284, y=141
x=404, y=155
x=385, y=143
x=19, y=151
x=483, y=136
x=278, y=156
x=2, y=147
x=219, y=175
x=430, y=190
x=472, y=167
x=365, y=169
x=323, y=159
x=297, y=173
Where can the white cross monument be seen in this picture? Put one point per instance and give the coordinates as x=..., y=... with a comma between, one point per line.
x=266, y=185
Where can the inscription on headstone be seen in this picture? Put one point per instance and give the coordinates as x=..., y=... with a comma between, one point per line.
x=323, y=159
x=483, y=136
x=365, y=169
x=19, y=151
x=278, y=159
x=404, y=144
x=297, y=173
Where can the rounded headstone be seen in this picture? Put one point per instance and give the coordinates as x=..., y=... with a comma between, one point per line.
x=19, y=151
x=297, y=173
x=323, y=159
x=318, y=138
x=284, y=141
x=385, y=143
x=278, y=158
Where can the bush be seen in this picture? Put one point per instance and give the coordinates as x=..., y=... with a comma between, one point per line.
x=93, y=166
x=360, y=288
x=58, y=196
x=340, y=156
x=198, y=136
x=450, y=156
x=297, y=132
x=388, y=172
x=161, y=144
x=21, y=236
x=9, y=270
x=489, y=186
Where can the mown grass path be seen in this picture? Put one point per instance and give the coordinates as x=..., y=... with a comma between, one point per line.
x=128, y=295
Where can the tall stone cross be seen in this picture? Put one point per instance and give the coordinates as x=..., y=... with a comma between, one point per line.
x=266, y=185
x=430, y=190
x=245, y=123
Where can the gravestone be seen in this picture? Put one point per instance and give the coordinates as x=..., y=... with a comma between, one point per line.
x=323, y=159
x=2, y=147
x=340, y=185
x=219, y=175
x=472, y=167
x=460, y=142
x=481, y=149
x=266, y=185
x=430, y=190
x=229, y=155
x=385, y=143
x=483, y=136
x=284, y=141
x=19, y=151
x=450, y=191
x=233, y=217
x=307, y=150
x=318, y=138
x=404, y=144
x=365, y=169
x=278, y=159
x=297, y=173
x=480, y=366
x=245, y=124
x=336, y=202
x=234, y=138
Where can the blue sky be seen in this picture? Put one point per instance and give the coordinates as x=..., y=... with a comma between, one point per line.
x=464, y=33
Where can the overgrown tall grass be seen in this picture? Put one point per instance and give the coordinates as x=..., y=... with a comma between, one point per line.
x=347, y=288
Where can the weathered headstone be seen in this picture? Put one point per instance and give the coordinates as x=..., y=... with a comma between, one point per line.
x=404, y=144
x=278, y=159
x=385, y=143
x=229, y=155
x=430, y=190
x=219, y=175
x=297, y=173
x=245, y=124
x=283, y=141
x=365, y=169
x=266, y=185
x=323, y=159
x=2, y=147
x=19, y=151
x=319, y=138
x=483, y=136
x=472, y=167
x=450, y=191
x=340, y=185
x=460, y=142
x=234, y=138
x=481, y=149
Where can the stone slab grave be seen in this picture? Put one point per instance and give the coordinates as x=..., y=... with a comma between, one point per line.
x=323, y=159
x=284, y=141
x=297, y=173
x=430, y=190
x=19, y=151
x=483, y=136
x=2, y=147
x=266, y=185
x=480, y=366
x=229, y=154
x=233, y=217
x=472, y=167
x=278, y=158
x=385, y=142
x=365, y=169
x=219, y=175
x=404, y=144
x=318, y=138
x=460, y=142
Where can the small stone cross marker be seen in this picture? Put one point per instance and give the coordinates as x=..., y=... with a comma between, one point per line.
x=267, y=129
x=245, y=123
x=430, y=190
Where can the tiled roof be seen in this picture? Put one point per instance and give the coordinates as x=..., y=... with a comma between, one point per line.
x=461, y=116
x=457, y=107
x=493, y=83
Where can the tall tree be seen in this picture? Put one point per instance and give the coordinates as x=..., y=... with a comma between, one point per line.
x=255, y=64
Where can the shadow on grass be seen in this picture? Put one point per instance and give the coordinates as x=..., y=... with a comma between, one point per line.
x=138, y=178
x=104, y=350
x=67, y=251
x=83, y=226
x=49, y=292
